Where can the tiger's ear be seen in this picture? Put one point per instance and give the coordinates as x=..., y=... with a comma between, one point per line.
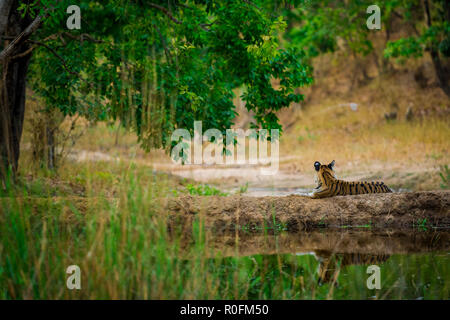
x=331, y=165
x=317, y=165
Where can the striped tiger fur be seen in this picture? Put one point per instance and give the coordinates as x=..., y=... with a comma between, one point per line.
x=329, y=186
x=330, y=263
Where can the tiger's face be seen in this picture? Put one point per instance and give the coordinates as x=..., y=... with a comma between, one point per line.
x=323, y=170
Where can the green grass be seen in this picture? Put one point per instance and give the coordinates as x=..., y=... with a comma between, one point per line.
x=445, y=177
x=204, y=190
x=243, y=189
x=125, y=251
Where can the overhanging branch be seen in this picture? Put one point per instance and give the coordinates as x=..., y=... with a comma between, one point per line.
x=82, y=37
x=61, y=35
x=252, y=4
x=56, y=55
x=8, y=51
x=166, y=12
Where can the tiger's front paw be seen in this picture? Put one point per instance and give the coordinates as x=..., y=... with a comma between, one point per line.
x=313, y=195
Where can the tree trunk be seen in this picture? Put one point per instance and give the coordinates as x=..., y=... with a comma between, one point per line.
x=12, y=86
x=385, y=64
x=51, y=155
x=441, y=71
x=12, y=109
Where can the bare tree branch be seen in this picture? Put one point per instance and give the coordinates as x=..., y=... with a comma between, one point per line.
x=23, y=54
x=205, y=25
x=252, y=4
x=53, y=37
x=56, y=55
x=178, y=4
x=8, y=51
x=91, y=85
x=165, y=11
x=427, y=13
x=5, y=8
x=166, y=51
x=82, y=37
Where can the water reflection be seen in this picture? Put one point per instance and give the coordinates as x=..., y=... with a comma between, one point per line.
x=330, y=264
x=337, y=241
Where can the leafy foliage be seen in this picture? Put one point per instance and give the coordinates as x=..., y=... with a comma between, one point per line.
x=434, y=34
x=204, y=190
x=445, y=177
x=157, y=67
x=317, y=26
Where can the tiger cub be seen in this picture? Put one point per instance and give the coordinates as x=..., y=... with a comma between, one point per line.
x=329, y=186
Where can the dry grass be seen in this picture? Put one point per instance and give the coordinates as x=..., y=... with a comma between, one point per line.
x=352, y=138
x=104, y=215
x=326, y=128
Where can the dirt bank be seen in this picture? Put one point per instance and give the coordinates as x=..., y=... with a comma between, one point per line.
x=376, y=242
x=393, y=210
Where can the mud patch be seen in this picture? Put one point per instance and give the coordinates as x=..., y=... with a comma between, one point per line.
x=293, y=213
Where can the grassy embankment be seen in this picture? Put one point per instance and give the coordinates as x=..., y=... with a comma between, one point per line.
x=105, y=217
x=115, y=231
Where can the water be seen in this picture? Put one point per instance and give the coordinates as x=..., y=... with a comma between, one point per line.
x=277, y=191
x=344, y=276
x=327, y=263
x=333, y=264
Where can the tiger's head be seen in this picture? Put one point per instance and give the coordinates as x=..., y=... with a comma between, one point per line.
x=329, y=267
x=325, y=173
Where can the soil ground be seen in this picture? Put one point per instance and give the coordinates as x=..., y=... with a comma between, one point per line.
x=294, y=213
